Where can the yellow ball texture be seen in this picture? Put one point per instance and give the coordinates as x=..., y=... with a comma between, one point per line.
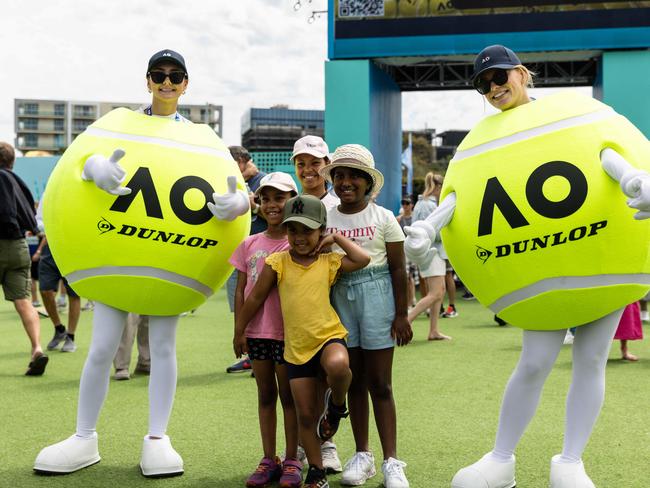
x=159, y=250
x=541, y=234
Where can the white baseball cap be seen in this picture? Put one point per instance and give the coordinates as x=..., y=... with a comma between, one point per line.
x=313, y=145
x=279, y=180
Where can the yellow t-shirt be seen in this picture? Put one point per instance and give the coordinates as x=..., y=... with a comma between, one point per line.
x=309, y=318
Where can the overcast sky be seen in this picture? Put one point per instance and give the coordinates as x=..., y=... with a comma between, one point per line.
x=239, y=53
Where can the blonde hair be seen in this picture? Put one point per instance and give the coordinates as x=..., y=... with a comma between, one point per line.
x=528, y=75
x=431, y=180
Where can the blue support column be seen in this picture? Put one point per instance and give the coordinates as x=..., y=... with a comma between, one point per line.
x=363, y=105
x=623, y=83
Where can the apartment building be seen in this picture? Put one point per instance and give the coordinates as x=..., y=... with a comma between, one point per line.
x=51, y=125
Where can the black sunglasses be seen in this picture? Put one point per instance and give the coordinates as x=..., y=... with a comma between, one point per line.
x=175, y=77
x=483, y=86
x=406, y=202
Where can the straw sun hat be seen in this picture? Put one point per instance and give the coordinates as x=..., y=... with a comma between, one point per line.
x=358, y=157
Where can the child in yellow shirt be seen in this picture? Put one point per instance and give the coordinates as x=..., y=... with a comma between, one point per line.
x=313, y=333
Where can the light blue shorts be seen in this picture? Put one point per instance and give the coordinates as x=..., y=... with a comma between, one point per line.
x=366, y=306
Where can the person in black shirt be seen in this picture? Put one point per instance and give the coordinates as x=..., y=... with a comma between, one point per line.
x=17, y=218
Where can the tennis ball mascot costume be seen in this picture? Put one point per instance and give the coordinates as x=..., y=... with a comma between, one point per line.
x=159, y=245
x=535, y=223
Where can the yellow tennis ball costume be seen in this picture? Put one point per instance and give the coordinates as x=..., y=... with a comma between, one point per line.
x=541, y=234
x=159, y=250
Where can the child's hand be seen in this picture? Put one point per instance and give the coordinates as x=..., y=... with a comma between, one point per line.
x=401, y=331
x=239, y=345
x=324, y=244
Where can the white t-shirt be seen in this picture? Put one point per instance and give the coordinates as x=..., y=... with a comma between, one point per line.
x=146, y=109
x=371, y=228
x=330, y=201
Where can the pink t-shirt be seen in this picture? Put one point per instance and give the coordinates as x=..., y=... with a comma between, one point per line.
x=250, y=257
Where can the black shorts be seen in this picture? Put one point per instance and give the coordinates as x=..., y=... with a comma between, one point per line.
x=49, y=276
x=312, y=368
x=265, y=349
x=34, y=270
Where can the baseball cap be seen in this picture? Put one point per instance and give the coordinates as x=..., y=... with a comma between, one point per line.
x=307, y=210
x=167, y=56
x=496, y=56
x=279, y=180
x=313, y=145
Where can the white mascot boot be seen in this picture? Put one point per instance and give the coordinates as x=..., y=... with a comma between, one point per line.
x=486, y=473
x=68, y=456
x=569, y=475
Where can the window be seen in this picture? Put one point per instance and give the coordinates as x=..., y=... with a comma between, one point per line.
x=185, y=112
x=31, y=140
x=59, y=109
x=59, y=141
x=84, y=110
x=58, y=124
x=80, y=125
x=31, y=108
x=30, y=124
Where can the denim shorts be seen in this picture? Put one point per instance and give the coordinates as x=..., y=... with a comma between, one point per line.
x=366, y=306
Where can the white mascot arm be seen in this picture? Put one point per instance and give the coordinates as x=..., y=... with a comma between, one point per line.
x=106, y=173
x=421, y=235
x=230, y=205
x=635, y=183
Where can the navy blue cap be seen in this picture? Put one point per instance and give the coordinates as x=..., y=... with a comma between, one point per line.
x=167, y=56
x=496, y=56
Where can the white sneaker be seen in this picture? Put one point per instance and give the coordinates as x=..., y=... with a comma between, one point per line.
x=68, y=456
x=486, y=473
x=569, y=475
x=394, y=476
x=331, y=461
x=358, y=469
x=159, y=459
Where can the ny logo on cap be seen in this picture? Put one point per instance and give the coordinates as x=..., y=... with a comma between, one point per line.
x=485, y=59
x=166, y=54
x=297, y=207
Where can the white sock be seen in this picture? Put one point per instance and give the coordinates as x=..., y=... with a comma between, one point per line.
x=108, y=324
x=587, y=391
x=162, y=382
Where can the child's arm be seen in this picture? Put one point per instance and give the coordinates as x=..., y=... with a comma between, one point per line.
x=401, y=329
x=355, y=256
x=239, y=342
x=260, y=291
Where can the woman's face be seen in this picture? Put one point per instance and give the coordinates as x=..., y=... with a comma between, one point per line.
x=166, y=90
x=511, y=94
x=307, y=167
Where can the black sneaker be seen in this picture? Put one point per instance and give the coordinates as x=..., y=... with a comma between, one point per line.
x=499, y=321
x=329, y=420
x=57, y=339
x=468, y=296
x=244, y=364
x=316, y=478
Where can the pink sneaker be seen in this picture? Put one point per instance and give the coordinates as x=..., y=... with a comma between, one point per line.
x=268, y=471
x=291, y=474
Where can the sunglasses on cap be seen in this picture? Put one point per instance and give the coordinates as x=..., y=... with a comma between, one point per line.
x=499, y=77
x=175, y=77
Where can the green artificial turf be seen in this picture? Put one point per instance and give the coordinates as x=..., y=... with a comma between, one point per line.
x=447, y=395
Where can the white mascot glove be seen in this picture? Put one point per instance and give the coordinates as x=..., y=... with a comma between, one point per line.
x=106, y=173
x=635, y=183
x=418, y=244
x=230, y=205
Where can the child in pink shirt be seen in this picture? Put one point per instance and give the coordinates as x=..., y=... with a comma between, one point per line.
x=264, y=336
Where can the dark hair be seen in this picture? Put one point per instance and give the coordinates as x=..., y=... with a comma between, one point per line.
x=239, y=152
x=407, y=199
x=7, y=155
x=356, y=171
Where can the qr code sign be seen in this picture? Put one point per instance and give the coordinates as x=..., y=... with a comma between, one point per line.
x=361, y=8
